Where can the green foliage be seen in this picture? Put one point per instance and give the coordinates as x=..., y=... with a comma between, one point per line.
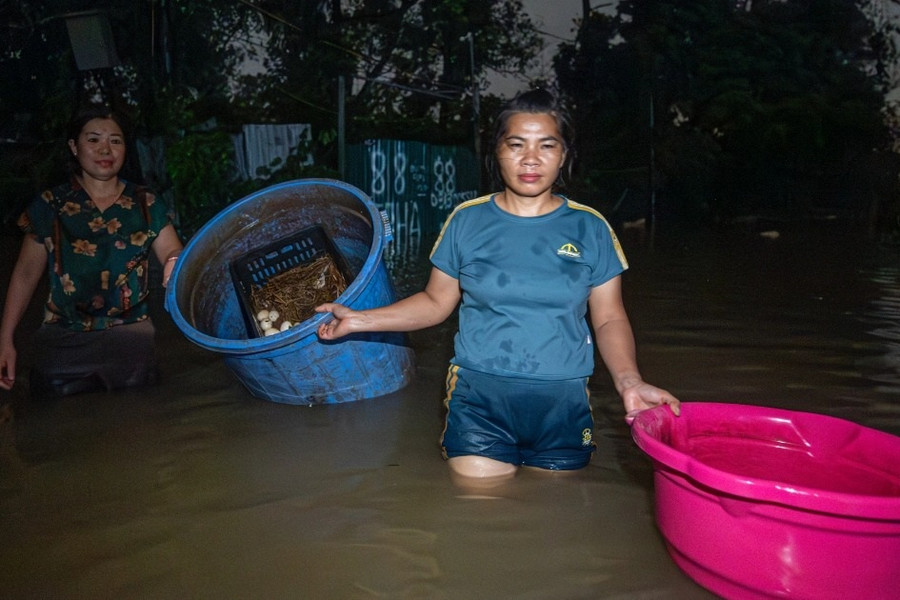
x=736, y=111
x=205, y=178
x=203, y=174
x=406, y=63
x=761, y=111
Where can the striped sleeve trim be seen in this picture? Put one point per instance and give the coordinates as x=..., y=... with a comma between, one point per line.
x=459, y=207
x=618, y=247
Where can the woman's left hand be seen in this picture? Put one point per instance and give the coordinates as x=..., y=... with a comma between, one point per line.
x=167, y=247
x=168, y=267
x=643, y=396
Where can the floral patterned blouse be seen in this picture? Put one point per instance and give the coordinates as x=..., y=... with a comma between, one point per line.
x=98, y=262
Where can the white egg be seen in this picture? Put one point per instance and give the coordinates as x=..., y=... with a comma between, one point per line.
x=285, y=325
x=273, y=315
x=271, y=331
x=263, y=314
x=265, y=323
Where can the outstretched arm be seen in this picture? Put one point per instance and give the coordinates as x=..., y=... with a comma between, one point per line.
x=615, y=341
x=424, y=309
x=30, y=266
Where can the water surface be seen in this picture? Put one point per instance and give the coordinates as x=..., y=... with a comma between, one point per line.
x=195, y=489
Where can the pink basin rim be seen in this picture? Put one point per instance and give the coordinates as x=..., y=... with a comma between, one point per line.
x=654, y=430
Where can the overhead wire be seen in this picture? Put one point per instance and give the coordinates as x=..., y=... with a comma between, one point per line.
x=443, y=91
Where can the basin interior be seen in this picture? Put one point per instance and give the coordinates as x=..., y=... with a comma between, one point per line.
x=205, y=291
x=795, y=449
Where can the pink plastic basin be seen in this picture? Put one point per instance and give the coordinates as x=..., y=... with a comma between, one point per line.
x=758, y=502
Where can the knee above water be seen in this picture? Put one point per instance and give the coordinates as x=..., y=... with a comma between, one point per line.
x=479, y=467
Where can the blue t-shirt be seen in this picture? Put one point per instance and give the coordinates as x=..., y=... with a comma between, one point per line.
x=525, y=284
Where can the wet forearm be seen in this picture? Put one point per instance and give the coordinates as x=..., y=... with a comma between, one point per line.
x=17, y=299
x=24, y=279
x=167, y=244
x=615, y=341
x=418, y=311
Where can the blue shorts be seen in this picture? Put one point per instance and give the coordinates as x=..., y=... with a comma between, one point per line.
x=538, y=423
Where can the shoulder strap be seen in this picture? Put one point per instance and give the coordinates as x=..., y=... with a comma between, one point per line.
x=57, y=245
x=140, y=193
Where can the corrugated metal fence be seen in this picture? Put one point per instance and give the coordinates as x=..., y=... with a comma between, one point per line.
x=417, y=184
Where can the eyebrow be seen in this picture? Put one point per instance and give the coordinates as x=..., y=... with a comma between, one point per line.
x=101, y=133
x=543, y=139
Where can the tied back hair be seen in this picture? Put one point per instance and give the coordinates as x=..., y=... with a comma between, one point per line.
x=537, y=101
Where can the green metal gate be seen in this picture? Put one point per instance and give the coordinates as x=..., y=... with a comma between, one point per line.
x=416, y=184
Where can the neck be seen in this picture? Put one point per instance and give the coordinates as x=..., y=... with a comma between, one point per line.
x=102, y=191
x=527, y=206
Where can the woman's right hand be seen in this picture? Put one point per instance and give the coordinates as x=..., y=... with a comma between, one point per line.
x=7, y=366
x=423, y=309
x=30, y=267
x=344, y=320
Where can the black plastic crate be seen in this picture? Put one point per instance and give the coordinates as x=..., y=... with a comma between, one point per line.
x=260, y=265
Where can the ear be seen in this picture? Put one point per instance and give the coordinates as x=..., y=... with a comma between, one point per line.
x=73, y=147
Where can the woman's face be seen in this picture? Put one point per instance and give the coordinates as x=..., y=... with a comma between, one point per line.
x=100, y=149
x=531, y=154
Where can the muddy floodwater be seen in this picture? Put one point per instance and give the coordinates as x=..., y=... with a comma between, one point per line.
x=194, y=489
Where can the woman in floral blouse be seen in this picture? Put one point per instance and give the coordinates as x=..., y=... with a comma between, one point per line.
x=93, y=236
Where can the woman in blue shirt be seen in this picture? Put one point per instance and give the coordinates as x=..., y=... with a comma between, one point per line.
x=526, y=266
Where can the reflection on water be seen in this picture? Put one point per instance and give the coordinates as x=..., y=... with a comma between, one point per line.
x=194, y=489
x=882, y=320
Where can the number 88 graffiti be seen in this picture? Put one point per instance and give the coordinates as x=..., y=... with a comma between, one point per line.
x=443, y=184
x=378, y=164
x=444, y=188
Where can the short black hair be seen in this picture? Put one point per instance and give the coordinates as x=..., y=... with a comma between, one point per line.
x=89, y=113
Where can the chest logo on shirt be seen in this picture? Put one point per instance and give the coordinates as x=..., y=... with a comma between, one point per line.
x=569, y=250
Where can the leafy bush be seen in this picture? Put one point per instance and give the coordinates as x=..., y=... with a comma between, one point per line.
x=203, y=173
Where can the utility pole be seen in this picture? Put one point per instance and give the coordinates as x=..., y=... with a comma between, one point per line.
x=652, y=170
x=342, y=128
x=476, y=106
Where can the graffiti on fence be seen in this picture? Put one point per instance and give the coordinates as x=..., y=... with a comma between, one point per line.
x=416, y=184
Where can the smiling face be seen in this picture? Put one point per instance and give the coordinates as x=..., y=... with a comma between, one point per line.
x=530, y=154
x=99, y=149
